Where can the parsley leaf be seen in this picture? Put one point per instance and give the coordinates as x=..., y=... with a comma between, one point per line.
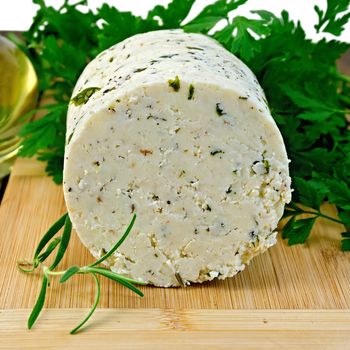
x=44, y=132
x=165, y=16
x=345, y=218
x=297, y=231
x=339, y=193
x=45, y=137
x=212, y=14
x=310, y=192
x=345, y=243
x=126, y=22
x=243, y=42
x=329, y=20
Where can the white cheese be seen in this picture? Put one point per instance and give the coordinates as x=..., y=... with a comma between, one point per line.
x=179, y=133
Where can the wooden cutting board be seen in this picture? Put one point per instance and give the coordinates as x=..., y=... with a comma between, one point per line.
x=288, y=298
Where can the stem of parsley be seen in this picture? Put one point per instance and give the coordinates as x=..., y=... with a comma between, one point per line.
x=62, y=244
x=342, y=77
x=296, y=230
x=319, y=214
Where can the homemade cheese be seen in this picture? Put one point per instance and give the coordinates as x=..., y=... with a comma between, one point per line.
x=173, y=127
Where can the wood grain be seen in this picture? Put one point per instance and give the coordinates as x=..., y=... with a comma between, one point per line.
x=311, y=276
x=179, y=329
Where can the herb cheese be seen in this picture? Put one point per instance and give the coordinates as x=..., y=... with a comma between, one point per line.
x=177, y=130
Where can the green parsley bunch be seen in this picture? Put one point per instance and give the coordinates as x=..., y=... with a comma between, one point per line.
x=308, y=97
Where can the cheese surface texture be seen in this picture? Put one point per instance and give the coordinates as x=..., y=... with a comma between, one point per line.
x=176, y=129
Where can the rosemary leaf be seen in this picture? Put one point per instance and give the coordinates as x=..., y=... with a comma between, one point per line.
x=49, y=234
x=69, y=273
x=117, y=245
x=53, y=244
x=97, y=299
x=64, y=242
x=39, y=304
x=121, y=276
x=115, y=277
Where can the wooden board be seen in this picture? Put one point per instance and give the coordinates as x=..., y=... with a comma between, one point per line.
x=180, y=329
x=297, y=296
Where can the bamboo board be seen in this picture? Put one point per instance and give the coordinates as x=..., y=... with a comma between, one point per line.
x=289, y=297
x=160, y=329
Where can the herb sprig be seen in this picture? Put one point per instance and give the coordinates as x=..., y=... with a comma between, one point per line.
x=297, y=230
x=92, y=269
x=308, y=96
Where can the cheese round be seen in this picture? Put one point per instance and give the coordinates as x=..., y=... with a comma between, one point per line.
x=173, y=127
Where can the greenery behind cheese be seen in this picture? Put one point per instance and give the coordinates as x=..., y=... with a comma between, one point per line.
x=307, y=95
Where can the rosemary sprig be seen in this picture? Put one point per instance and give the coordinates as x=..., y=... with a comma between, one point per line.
x=62, y=243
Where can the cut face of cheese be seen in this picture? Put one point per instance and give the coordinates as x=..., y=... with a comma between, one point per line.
x=176, y=129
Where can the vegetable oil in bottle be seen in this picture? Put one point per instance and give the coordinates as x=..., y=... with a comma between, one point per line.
x=18, y=95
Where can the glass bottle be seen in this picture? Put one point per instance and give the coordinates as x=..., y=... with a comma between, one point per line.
x=18, y=95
